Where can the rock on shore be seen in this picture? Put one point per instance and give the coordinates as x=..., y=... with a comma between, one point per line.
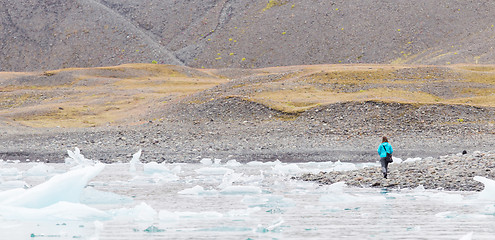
x=452, y=172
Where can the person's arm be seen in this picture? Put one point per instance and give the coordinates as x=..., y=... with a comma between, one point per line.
x=391, y=150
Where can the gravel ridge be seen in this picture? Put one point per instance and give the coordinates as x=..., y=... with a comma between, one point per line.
x=451, y=172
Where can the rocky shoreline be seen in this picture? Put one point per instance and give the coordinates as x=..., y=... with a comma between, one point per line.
x=450, y=172
x=245, y=131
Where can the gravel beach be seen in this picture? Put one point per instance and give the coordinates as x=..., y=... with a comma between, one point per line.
x=236, y=129
x=450, y=172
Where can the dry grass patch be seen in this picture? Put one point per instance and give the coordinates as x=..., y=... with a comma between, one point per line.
x=478, y=68
x=301, y=99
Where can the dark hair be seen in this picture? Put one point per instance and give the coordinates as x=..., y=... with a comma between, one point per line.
x=384, y=139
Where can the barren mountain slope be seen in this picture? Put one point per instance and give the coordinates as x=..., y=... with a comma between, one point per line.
x=233, y=33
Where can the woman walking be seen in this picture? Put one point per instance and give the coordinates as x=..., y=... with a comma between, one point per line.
x=385, y=151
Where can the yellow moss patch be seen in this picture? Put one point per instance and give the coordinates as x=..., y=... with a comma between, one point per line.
x=273, y=3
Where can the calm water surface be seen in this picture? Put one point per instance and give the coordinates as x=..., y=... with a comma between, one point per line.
x=243, y=201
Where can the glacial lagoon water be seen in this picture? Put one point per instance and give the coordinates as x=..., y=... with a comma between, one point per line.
x=215, y=199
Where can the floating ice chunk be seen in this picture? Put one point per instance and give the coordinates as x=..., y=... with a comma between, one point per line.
x=412, y=159
x=39, y=169
x=256, y=179
x=205, y=214
x=229, y=178
x=275, y=227
x=448, y=197
x=217, y=161
x=340, y=166
x=337, y=187
x=206, y=161
x=58, y=211
x=76, y=158
x=268, y=201
x=255, y=163
x=63, y=187
x=448, y=214
x=288, y=169
x=214, y=170
x=155, y=178
x=258, y=163
x=241, y=190
x=9, y=172
x=419, y=189
x=153, y=229
x=154, y=167
x=135, y=161
x=233, y=163
x=176, y=169
x=488, y=192
x=196, y=190
x=397, y=160
x=141, y=213
x=144, y=212
x=468, y=236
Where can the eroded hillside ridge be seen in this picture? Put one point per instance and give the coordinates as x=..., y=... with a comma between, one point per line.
x=45, y=35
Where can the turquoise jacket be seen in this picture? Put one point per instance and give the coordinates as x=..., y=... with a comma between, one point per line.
x=382, y=152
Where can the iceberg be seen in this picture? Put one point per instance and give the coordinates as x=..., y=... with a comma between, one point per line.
x=64, y=187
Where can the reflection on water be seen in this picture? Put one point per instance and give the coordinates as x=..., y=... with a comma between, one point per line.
x=214, y=200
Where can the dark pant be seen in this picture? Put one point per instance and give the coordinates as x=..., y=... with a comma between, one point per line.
x=384, y=163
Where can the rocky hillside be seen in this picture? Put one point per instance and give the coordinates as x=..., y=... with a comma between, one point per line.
x=54, y=34
x=295, y=113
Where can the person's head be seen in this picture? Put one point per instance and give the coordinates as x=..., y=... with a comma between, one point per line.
x=384, y=139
